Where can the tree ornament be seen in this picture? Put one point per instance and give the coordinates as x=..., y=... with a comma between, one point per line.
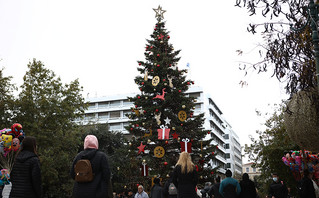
x=163, y=133
x=141, y=148
x=168, y=37
x=186, y=145
x=193, y=82
x=161, y=41
x=148, y=133
x=159, y=152
x=160, y=37
x=141, y=89
x=161, y=96
x=139, y=63
x=130, y=143
x=170, y=81
x=158, y=65
x=200, y=155
x=155, y=64
x=166, y=142
x=195, y=100
x=165, y=163
x=188, y=82
x=146, y=97
x=144, y=169
x=167, y=121
x=165, y=84
x=141, y=111
x=139, y=97
x=173, y=128
x=149, y=141
x=155, y=81
x=183, y=106
x=175, y=135
x=146, y=76
x=158, y=55
x=142, y=83
x=158, y=117
x=179, y=91
x=213, y=153
x=118, y=168
x=182, y=116
x=208, y=132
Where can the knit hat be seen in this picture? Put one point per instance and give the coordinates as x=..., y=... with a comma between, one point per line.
x=91, y=141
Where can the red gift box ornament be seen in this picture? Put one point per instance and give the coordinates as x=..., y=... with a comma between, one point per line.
x=144, y=168
x=186, y=145
x=163, y=133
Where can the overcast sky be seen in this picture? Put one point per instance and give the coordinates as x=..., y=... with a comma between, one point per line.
x=99, y=42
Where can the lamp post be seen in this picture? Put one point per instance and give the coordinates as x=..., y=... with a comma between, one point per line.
x=313, y=19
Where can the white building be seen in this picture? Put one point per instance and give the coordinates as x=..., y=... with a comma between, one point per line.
x=112, y=110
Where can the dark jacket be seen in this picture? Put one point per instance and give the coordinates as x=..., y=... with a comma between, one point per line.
x=185, y=183
x=205, y=191
x=98, y=187
x=166, y=188
x=248, y=189
x=26, y=176
x=214, y=190
x=156, y=191
x=278, y=190
x=307, y=189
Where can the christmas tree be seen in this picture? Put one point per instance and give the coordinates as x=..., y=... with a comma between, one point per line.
x=163, y=123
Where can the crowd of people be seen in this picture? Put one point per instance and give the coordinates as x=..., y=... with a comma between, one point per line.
x=91, y=172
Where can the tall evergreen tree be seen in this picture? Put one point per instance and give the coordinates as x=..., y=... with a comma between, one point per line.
x=47, y=110
x=6, y=101
x=162, y=108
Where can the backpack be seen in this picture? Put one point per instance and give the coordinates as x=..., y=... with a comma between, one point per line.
x=83, y=171
x=172, y=190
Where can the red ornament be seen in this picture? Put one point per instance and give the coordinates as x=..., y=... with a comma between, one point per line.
x=165, y=163
x=170, y=65
x=151, y=47
x=158, y=54
x=135, y=106
x=179, y=91
x=139, y=97
x=156, y=110
x=131, y=129
x=196, y=168
x=188, y=83
x=147, y=46
x=141, y=148
x=142, y=83
x=181, y=124
x=208, y=132
x=151, y=70
x=212, y=172
x=175, y=135
x=213, y=153
x=217, y=147
x=139, y=63
x=168, y=37
x=164, y=80
x=161, y=36
x=158, y=65
x=137, y=125
x=144, y=111
x=166, y=142
x=141, y=89
x=137, y=185
x=154, y=28
x=192, y=82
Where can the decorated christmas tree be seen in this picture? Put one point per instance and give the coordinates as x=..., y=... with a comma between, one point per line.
x=163, y=123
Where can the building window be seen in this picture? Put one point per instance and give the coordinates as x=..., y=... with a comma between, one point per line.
x=247, y=170
x=226, y=136
x=198, y=106
x=103, y=104
x=91, y=106
x=89, y=116
x=227, y=155
x=228, y=165
x=226, y=146
x=127, y=103
x=103, y=115
x=195, y=95
x=115, y=103
x=126, y=113
x=254, y=170
x=115, y=114
x=115, y=126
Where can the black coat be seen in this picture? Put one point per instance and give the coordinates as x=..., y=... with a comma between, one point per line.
x=156, y=191
x=98, y=187
x=185, y=183
x=278, y=190
x=307, y=189
x=214, y=190
x=26, y=176
x=248, y=189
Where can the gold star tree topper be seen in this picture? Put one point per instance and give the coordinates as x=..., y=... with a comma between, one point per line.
x=159, y=13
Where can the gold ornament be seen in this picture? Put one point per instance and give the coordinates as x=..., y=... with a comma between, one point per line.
x=155, y=81
x=161, y=41
x=154, y=63
x=179, y=139
x=146, y=97
x=194, y=108
x=148, y=134
x=200, y=155
x=137, y=112
x=118, y=168
x=182, y=116
x=167, y=175
x=201, y=177
x=195, y=100
x=143, y=123
x=146, y=76
x=144, y=160
x=173, y=128
x=148, y=141
x=165, y=84
x=183, y=106
x=159, y=152
x=130, y=144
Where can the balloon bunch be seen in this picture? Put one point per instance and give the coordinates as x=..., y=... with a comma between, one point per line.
x=300, y=160
x=4, y=177
x=10, y=139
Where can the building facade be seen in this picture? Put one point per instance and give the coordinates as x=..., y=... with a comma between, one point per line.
x=251, y=171
x=112, y=110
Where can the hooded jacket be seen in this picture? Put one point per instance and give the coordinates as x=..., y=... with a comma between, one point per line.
x=26, y=176
x=98, y=187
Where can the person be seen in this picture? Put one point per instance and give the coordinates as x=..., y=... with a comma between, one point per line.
x=157, y=190
x=26, y=172
x=169, y=193
x=229, y=187
x=130, y=193
x=185, y=176
x=100, y=168
x=248, y=189
x=307, y=189
x=214, y=190
x=277, y=189
x=140, y=192
x=205, y=190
